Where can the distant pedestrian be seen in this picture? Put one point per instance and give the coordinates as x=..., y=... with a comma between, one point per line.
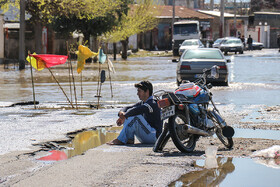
x=278, y=42
x=250, y=43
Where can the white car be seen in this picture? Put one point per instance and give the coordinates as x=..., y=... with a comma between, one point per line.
x=190, y=44
x=218, y=42
x=255, y=45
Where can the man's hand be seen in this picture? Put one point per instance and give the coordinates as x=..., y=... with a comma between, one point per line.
x=121, y=119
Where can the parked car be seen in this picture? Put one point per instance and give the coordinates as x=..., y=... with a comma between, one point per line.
x=232, y=45
x=193, y=61
x=190, y=44
x=217, y=42
x=255, y=45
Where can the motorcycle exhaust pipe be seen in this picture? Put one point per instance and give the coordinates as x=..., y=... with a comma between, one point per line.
x=193, y=130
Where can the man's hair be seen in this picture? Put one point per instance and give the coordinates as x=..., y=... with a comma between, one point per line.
x=145, y=85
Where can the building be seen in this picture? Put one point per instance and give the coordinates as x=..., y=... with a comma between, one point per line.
x=9, y=38
x=241, y=24
x=161, y=36
x=185, y=3
x=267, y=24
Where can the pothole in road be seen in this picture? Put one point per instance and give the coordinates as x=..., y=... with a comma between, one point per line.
x=79, y=142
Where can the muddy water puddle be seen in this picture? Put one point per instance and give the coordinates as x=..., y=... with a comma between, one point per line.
x=79, y=143
x=268, y=115
x=232, y=172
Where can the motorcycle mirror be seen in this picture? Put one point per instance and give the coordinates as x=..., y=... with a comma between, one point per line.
x=215, y=72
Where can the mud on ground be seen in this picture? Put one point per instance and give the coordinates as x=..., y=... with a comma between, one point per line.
x=135, y=165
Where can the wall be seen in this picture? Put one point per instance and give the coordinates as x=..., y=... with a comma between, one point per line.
x=260, y=34
x=56, y=44
x=271, y=19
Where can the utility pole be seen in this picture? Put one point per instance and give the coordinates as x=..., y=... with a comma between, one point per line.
x=211, y=4
x=235, y=29
x=172, y=26
x=22, y=36
x=222, y=24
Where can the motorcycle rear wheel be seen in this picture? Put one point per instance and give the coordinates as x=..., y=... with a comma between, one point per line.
x=185, y=142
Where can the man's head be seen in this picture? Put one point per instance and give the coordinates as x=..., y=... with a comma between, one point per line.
x=145, y=90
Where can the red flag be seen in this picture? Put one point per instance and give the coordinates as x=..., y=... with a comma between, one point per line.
x=50, y=60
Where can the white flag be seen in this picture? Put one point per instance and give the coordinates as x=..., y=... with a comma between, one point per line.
x=111, y=66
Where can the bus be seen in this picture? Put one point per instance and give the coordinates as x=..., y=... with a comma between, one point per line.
x=184, y=30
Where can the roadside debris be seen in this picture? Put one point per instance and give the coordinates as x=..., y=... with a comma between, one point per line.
x=272, y=152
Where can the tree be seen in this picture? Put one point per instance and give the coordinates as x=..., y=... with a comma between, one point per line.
x=89, y=27
x=45, y=11
x=87, y=14
x=141, y=17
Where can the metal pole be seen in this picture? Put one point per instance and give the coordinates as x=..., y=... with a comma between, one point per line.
x=211, y=4
x=22, y=35
x=235, y=30
x=172, y=25
x=222, y=25
x=32, y=79
x=60, y=87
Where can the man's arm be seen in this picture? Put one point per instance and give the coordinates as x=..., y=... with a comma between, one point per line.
x=123, y=111
x=138, y=110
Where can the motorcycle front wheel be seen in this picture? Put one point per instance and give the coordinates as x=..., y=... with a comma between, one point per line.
x=227, y=141
x=184, y=141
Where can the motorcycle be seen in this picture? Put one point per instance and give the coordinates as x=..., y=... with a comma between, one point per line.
x=190, y=113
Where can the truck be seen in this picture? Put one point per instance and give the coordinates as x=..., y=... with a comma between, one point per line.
x=184, y=30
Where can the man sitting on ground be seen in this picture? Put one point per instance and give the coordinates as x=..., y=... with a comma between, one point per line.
x=141, y=119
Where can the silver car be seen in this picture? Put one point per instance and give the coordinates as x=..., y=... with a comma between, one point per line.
x=232, y=45
x=218, y=42
x=193, y=61
x=190, y=44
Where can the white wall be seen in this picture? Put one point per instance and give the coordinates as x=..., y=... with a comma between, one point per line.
x=132, y=42
x=260, y=34
x=1, y=38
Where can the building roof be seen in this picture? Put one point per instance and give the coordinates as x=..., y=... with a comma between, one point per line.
x=12, y=25
x=270, y=13
x=218, y=13
x=180, y=12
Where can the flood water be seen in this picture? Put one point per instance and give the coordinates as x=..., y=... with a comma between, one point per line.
x=253, y=80
x=232, y=172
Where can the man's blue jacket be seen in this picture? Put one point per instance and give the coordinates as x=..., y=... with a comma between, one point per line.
x=150, y=111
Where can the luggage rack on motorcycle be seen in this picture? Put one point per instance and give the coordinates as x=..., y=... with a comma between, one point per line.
x=171, y=97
